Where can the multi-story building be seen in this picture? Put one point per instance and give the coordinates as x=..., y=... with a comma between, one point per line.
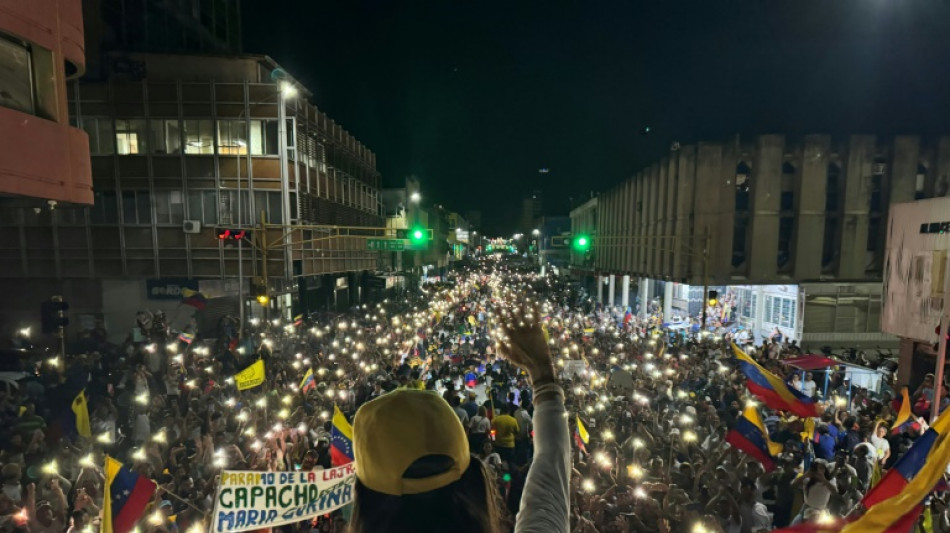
x=183, y=146
x=531, y=209
x=584, y=220
x=789, y=231
x=44, y=160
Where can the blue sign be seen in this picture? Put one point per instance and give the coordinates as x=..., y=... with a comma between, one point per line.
x=168, y=288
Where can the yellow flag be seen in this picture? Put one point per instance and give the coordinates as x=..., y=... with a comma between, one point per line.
x=582, y=431
x=251, y=376
x=81, y=411
x=904, y=415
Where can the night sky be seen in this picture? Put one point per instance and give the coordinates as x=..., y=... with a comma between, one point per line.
x=473, y=97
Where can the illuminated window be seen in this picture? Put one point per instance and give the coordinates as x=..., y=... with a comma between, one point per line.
x=199, y=137
x=130, y=136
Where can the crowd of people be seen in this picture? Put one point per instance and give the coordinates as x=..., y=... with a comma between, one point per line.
x=649, y=413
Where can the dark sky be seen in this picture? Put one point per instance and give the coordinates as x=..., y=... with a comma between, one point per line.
x=474, y=97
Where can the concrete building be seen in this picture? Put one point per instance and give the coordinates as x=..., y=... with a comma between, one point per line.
x=183, y=146
x=43, y=158
x=584, y=219
x=805, y=215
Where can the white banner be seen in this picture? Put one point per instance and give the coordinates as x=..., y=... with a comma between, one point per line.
x=247, y=501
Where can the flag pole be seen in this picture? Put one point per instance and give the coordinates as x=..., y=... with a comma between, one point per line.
x=941, y=353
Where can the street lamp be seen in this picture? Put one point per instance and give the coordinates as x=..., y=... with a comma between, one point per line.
x=536, y=232
x=415, y=197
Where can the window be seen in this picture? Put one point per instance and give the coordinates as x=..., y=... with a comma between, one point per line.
x=130, y=136
x=271, y=203
x=232, y=137
x=876, y=193
x=166, y=136
x=921, y=183
x=169, y=208
x=199, y=137
x=747, y=303
x=264, y=137
x=17, y=71
x=739, y=238
x=105, y=209
x=832, y=187
x=101, y=135
x=785, y=228
x=136, y=207
x=203, y=206
x=743, y=183
x=780, y=311
x=829, y=249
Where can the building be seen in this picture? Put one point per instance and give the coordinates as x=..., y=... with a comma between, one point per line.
x=44, y=159
x=181, y=26
x=584, y=220
x=916, y=279
x=805, y=216
x=185, y=146
x=552, y=241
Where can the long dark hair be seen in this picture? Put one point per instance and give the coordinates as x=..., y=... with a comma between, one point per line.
x=470, y=505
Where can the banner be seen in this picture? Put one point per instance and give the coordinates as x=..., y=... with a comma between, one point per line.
x=251, y=376
x=247, y=501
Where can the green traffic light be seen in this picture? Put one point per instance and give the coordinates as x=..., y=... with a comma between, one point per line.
x=418, y=236
x=581, y=243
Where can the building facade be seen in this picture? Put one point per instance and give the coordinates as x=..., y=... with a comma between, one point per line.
x=806, y=212
x=584, y=220
x=44, y=160
x=182, y=147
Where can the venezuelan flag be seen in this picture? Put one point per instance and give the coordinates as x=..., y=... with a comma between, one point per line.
x=895, y=503
x=341, y=439
x=126, y=496
x=186, y=337
x=193, y=298
x=581, y=436
x=308, y=383
x=750, y=436
x=904, y=416
x=772, y=390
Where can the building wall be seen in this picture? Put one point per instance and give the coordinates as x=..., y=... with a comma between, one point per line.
x=774, y=208
x=584, y=221
x=41, y=156
x=173, y=161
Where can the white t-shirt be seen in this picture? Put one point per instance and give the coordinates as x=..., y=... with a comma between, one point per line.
x=881, y=446
x=480, y=425
x=809, y=388
x=817, y=496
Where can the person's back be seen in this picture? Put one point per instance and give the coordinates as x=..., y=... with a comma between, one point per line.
x=415, y=472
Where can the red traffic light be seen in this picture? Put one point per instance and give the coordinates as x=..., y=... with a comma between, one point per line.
x=231, y=234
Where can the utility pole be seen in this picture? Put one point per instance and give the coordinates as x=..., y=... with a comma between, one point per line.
x=941, y=353
x=702, y=325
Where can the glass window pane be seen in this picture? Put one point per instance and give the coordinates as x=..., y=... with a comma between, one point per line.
x=194, y=205
x=106, y=136
x=210, y=200
x=274, y=212
x=128, y=207
x=16, y=72
x=232, y=137
x=130, y=136
x=143, y=206
x=161, y=208
x=199, y=137
x=166, y=136
x=110, y=211
x=270, y=137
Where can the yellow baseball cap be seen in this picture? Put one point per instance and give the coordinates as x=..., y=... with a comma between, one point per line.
x=395, y=430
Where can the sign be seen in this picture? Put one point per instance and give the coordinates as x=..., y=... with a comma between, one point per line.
x=249, y=501
x=168, y=288
x=251, y=376
x=915, y=269
x=386, y=245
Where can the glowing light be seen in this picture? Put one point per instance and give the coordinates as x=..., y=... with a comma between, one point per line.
x=588, y=485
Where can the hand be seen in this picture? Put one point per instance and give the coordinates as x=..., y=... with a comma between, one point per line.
x=524, y=344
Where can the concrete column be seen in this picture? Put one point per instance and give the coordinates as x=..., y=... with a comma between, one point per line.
x=810, y=195
x=905, y=362
x=644, y=294
x=625, y=292
x=762, y=247
x=854, y=229
x=684, y=208
x=612, y=288
x=667, y=300
x=600, y=289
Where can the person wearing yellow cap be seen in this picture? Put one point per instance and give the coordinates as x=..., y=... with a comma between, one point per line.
x=415, y=472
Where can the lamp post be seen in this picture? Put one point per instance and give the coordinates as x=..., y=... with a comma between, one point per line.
x=285, y=90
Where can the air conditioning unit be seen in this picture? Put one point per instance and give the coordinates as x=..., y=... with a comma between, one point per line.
x=191, y=226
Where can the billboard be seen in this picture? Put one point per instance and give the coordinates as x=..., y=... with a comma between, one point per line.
x=915, y=268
